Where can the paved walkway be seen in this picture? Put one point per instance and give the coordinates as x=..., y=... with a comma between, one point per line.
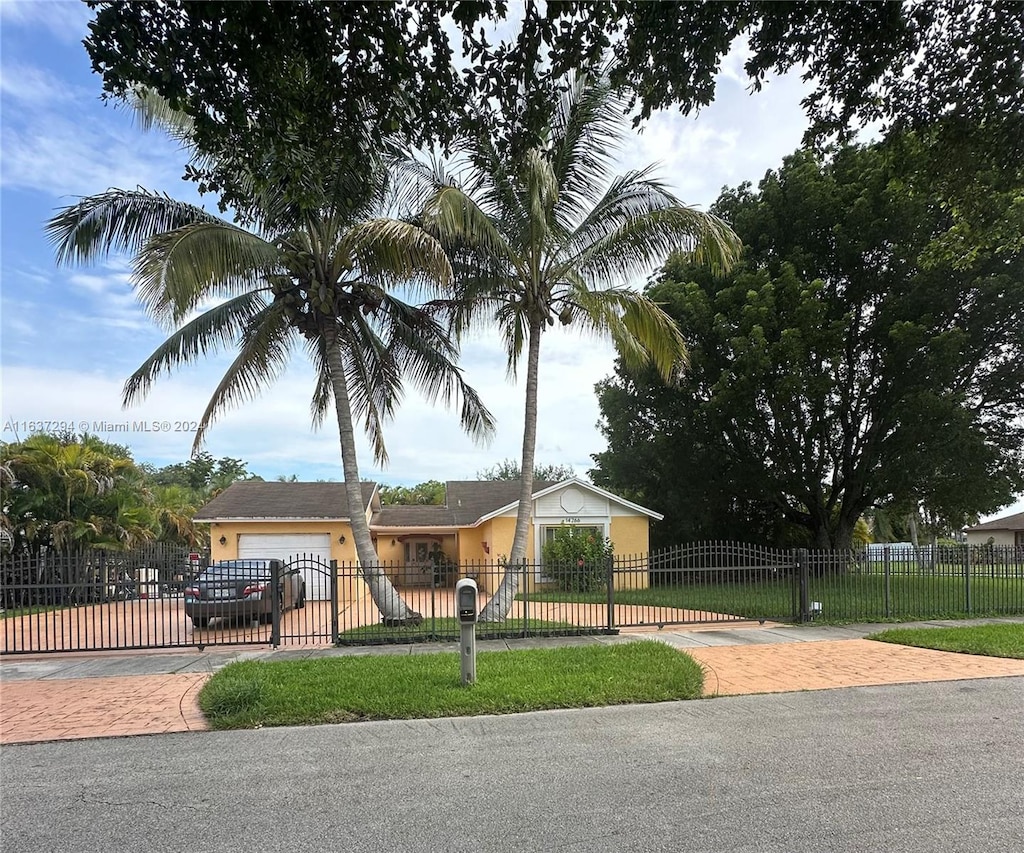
x=59, y=697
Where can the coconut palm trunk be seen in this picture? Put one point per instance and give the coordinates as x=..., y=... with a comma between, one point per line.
x=548, y=233
x=394, y=611
x=498, y=607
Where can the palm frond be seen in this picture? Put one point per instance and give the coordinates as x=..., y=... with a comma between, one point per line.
x=263, y=355
x=393, y=252
x=212, y=331
x=454, y=218
x=373, y=377
x=176, y=270
x=637, y=225
x=642, y=332
x=428, y=358
x=117, y=220
x=153, y=110
x=541, y=195
x=586, y=129
x=323, y=392
x=513, y=328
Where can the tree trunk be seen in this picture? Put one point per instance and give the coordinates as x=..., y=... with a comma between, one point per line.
x=393, y=610
x=498, y=607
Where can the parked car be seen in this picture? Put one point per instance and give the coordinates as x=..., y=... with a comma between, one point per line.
x=242, y=589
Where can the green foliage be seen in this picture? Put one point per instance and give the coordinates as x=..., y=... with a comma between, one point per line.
x=578, y=559
x=74, y=492
x=509, y=469
x=78, y=492
x=835, y=369
x=340, y=74
x=251, y=694
x=428, y=493
x=202, y=473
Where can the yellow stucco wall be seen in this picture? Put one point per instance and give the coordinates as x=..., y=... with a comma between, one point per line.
x=629, y=535
x=231, y=530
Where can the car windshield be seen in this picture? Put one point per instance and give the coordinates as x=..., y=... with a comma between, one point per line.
x=231, y=572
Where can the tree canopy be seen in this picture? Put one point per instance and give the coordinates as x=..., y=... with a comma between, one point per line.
x=270, y=82
x=509, y=469
x=846, y=363
x=68, y=491
x=428, y=493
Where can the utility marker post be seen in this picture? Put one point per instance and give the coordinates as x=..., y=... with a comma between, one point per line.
x=465, y=606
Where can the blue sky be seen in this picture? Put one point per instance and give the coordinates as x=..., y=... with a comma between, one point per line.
x=71, y=336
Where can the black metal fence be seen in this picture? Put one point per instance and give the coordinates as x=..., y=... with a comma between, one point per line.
x=108, y=600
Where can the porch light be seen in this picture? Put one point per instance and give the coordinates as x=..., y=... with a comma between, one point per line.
x=223, y=540
x=341, y=539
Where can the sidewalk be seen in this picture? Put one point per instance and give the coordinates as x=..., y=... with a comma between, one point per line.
x=59, y=697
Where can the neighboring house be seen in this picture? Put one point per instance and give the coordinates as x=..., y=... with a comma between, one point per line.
x=475, y=526
x=1008, y=530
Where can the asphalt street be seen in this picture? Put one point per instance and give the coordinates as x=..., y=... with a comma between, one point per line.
x=924, y=767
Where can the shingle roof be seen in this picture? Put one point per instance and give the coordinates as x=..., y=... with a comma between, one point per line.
x=413, y=516
x=467, y=501
x=1008, y=522
x=257, y=499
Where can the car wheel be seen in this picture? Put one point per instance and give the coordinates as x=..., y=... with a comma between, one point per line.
x=302, y=598
x=200, y=621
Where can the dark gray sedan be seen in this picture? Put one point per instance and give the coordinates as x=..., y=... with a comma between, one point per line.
x=242, y=590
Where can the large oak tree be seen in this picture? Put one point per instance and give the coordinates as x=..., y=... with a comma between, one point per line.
x=272, y=81
x=850, y=361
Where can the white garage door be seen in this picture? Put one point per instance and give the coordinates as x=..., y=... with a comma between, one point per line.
x=292, y=547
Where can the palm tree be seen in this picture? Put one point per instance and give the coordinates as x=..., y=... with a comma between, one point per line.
x=548, y=234
x=320, y=276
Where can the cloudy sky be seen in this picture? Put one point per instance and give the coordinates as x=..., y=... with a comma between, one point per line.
x=71, y=336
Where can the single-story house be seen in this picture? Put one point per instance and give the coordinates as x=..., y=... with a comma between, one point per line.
x=1008, y=530
x=474, y=528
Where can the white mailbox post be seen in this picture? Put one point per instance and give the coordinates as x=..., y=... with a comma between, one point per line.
x=465, y=606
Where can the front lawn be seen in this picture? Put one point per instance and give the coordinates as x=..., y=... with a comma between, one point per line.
x=1000, y=641
x=250, y=694
x=844, y=597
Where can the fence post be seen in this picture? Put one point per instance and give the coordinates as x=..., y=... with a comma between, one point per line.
x=275, y=603
x=524, y=574
x=335, y=631
x=803, y=570
x=611, y=595
x=888, y=579
x=967, y=579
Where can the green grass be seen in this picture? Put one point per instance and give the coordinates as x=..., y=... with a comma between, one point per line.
x=28, y=611
x=1000, y=641
x=449, y=629
x=850, y=597
x=251, y=694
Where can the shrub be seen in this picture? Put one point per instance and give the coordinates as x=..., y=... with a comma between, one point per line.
x=577, y=559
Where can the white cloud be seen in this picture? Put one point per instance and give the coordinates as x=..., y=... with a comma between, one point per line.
x=65, y=19
x=32, y=86
x=65, y=158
